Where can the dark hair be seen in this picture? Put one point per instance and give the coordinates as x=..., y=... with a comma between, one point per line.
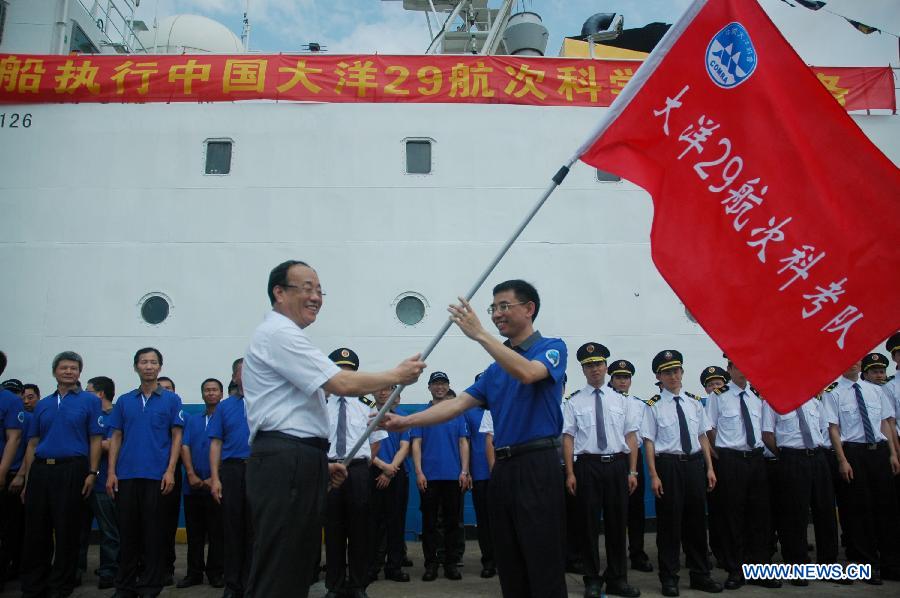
x=524, y=292
x=235, y=364
x=140, y=352
x=104, y=385
x=232, y=386
x=451, y=392
x=68, y=356
x=167, y=379
x=2, y=362
x=217, y=381
x=278, y=276
x=33, y=387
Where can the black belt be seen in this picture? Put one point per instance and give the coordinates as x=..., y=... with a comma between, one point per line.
x=357, y=461
x=240, y=460
x=508, y=452
x=600, y=458
x=678, y=457
x=869, y=446
x=804, y=452
x=319, y=443
x=757, y=452
x=60, y=460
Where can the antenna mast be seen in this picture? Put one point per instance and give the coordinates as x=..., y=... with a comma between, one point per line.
x=245, y=32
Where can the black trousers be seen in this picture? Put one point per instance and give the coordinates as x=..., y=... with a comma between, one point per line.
x=483, y=521
x=347, y=531
x=775, y=515
x=572, y=545
x=446, y=496
x=526, y=505
x=744, y=513
x=53, y=511
x=804, y=482
x=872, y=507
x=637, y=515
x=602, y=490
x=203, y=520
x=237, y=528
x=142, y=537
x=681, y=517
x=171, y=506
x=12, y=531
x=387, y=522
x=287, y=481
x=841, y=492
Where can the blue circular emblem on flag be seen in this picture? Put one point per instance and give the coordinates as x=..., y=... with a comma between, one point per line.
x=730, y=56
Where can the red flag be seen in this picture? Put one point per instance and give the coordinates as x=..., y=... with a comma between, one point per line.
x=762, y=184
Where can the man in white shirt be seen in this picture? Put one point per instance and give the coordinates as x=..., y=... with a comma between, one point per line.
x=735, y=412
x=285, y=379
x=600, y=429
x=858, y=418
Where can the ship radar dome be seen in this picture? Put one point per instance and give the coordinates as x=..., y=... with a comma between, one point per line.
x=190, y=34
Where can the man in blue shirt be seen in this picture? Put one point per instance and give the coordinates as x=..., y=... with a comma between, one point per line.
x=441, y=459
x=202, y=514
x=61, y=464
x=143, y=453
x=523, y=389
x=171, y=508
x=229, y=449
x=480, y=475
x=102, y=505
x=390, y=497
x=11, y=438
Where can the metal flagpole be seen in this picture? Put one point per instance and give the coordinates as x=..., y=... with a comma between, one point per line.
x=557, y=180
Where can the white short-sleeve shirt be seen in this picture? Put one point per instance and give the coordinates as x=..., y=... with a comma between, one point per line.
x=724, y=411
x=358, y=414
x=283, y=377
x=787, y=427
x=843, y=409
x=660, y=423
x=621, y=416
x=487, y=423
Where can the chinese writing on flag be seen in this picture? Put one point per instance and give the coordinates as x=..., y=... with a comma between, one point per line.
x=775, y=219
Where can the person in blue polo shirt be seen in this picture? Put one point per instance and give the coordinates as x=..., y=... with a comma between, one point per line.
x=523, y=389
x=61, y=464
x=229, y=449
x=480, y=474
x=143, y=452
x=441, y=458
x=11, y=423
x=202, y=514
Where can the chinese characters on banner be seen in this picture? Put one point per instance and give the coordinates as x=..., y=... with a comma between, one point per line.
x=27, y=79
x=775, y=218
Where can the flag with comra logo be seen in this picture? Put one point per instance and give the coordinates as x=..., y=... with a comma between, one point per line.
x=776, y=221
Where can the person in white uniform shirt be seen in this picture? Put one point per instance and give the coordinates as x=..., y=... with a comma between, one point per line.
x=600, y=430
x=735, y=412
x=285, y=378
x=892, y=390
x=804, y=481
x=859, y=424
x=681, y=473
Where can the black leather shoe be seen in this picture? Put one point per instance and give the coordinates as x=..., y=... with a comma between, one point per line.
x=670, y=589
x=217, y=581
x=407, y=562
x=105, y=583
x=431, y=572
x=451, y=572
x=168, y=580
x=765, y=583
x=706, y=584
x=642, y=565
x=188, y=581
x=398, y=575
x=488, y=572
x=622, y=589
x=734, y=582
x=593, y=590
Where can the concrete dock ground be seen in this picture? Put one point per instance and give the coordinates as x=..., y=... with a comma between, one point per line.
x=472, y=585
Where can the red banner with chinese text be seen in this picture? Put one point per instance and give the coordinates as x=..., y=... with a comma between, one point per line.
x=858, y=88
x=775, y=218
x=31, y=79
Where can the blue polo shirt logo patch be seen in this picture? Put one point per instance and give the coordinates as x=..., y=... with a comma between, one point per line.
x=21, y=417
x=181, y=414
x=553, y=357
x=100, y=422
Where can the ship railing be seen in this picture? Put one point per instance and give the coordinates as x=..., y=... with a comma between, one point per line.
x=115, y=21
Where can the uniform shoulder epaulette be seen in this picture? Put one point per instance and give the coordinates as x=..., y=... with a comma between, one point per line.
x=830, y=387
x=367, y=401
x=889, y=378
x=754, y=391
x=692, y=395
x=721, y=389
x=573, y=394
x=652, y=400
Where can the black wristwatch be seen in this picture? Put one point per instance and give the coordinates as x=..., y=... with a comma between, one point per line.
x=94, y=473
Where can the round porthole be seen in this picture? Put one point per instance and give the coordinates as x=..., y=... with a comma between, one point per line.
x=155, y=309
x=410, y=308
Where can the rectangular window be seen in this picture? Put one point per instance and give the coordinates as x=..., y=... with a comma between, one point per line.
x=418, y=157
x=80, y=42
x=607, y=177
x=218, y=157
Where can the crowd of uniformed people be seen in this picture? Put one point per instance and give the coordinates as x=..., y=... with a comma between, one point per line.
x=732, y=479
